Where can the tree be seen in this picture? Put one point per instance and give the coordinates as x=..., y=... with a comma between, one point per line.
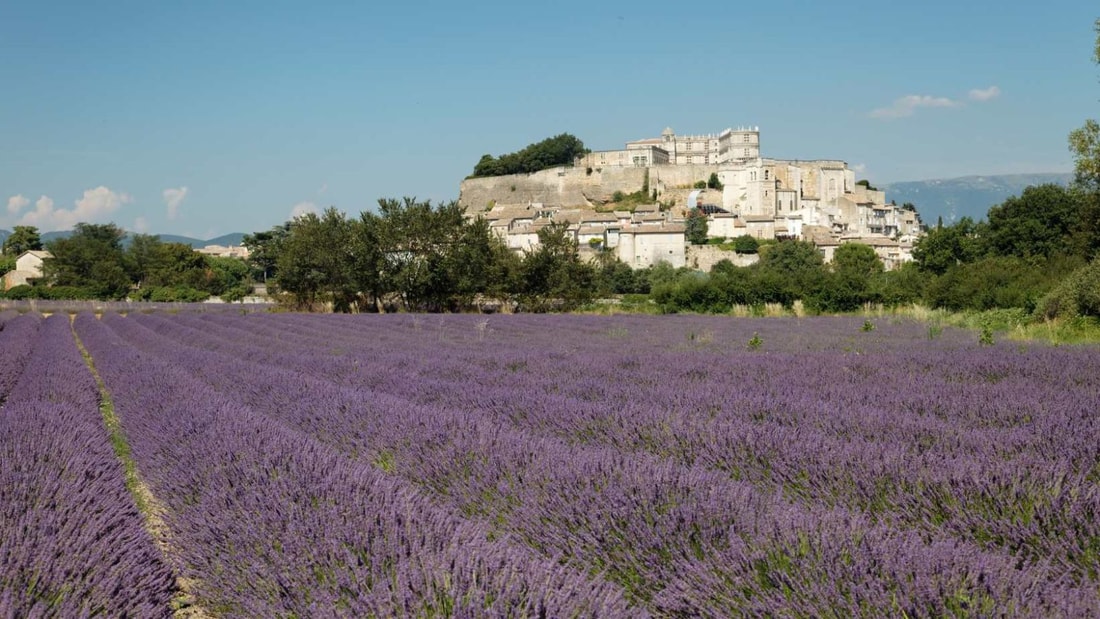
x=91, y=258
x=7, y=263
x=746, y=244
x=559, y=150
x=1085, y=145
x=477, y=262
x=314, y=261
x=228, y=278
x=616, y=277
x=1085, y=141
x=713, y=182
x=856, y=260
x=946, y=246
x=696, y=227
x=146, y=261
x=797, y=263
x=23, y=238
x=264, y=249
x=1038, y=223
x=553, y=276
x=850, y=284
x=416, y=238
x=988, y=283
x=791, y=257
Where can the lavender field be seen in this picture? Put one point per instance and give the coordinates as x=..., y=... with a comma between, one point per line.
x=283, y=465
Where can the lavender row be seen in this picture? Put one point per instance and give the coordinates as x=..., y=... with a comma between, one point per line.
x=616, y=379
x=940, y=414
x=16, y=341
x=649, y=524
x=71, y=538
x=1004, y=487
x=6, y=315
x=267, y=521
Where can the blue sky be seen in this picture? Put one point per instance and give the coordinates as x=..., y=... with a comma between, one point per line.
x=202, y=118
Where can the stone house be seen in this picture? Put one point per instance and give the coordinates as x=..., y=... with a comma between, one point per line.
x=28, y=266
x=645, y=245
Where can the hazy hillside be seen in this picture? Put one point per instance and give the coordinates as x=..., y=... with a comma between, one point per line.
x=4, y=234
x=967, y=196
x=234, y=238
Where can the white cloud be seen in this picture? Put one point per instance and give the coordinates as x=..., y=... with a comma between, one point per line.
x=986, y=94
x=17, y=203
x=173, y=198
x=908, y=104
x=141, y=225
x=859, y=168
x=93, y=207
x=302, y=208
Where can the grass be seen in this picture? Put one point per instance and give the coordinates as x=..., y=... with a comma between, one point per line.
x=1013, y=324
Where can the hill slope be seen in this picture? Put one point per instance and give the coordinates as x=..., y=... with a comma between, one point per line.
x=233, y=238
x=967, y=196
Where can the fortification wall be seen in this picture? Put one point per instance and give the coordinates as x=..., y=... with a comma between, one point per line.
x=704, y=257
x=564, y=187
x=575, y=187
x=679, y=176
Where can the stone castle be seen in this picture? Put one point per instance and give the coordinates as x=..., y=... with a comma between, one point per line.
x=817, y=201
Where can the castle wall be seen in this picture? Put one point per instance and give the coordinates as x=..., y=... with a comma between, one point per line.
x=704, y=257
x=556, y=187
x=570, y=187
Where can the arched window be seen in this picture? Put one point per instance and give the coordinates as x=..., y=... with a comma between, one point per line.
x=765, y=174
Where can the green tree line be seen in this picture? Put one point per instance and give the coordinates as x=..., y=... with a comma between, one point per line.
x=415, y=256
x=95, y=263
x=1038, y=252
x=559, y=150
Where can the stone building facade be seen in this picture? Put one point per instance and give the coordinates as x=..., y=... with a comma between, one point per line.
x=728, y=147
x=813, y=200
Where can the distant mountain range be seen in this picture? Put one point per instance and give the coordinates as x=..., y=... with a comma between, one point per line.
x=233, y=238
x=967, y=196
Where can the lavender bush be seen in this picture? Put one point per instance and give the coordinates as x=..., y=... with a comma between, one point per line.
x=71, y=538
x=832, y=470
x=269, y=521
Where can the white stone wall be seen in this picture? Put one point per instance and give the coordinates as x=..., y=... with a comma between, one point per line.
x=722, y=227
x=29, y=262
x=704, y=257
x=523, y=240
x=644, y=250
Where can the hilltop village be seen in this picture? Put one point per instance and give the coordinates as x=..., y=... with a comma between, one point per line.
x=636, y=202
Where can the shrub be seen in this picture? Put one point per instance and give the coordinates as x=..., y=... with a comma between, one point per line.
x=746, y=244
x=755, y=343
x=170, y=294
x=21, y=293
x=67, y=293
x=1076, y=295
